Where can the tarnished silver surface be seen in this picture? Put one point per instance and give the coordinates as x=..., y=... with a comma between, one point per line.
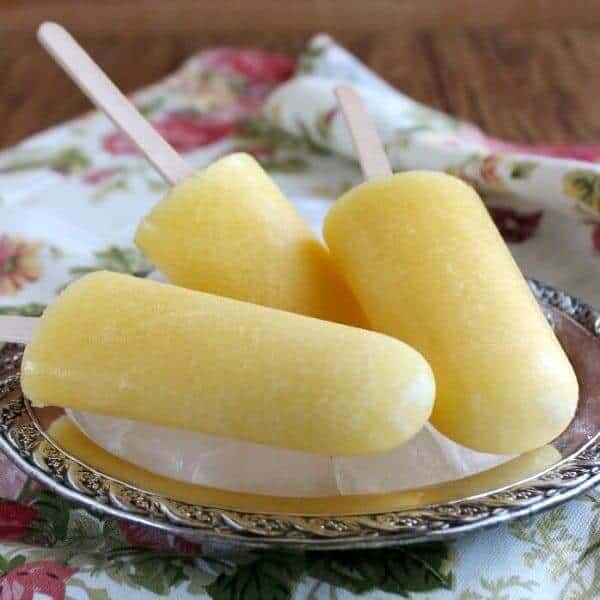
x=393, y=521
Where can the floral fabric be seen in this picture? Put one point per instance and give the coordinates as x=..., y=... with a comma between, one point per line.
x=70, y=200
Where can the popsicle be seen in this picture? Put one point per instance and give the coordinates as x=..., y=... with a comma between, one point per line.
x=138, y=349
x=429, y=267
x=227, y=230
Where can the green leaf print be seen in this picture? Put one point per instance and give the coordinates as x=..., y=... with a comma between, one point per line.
x=402, y=136
x=91, y=593
x=32, y=309
x=583, y=186
x=150, y=107
x=7, y=565
x=348, y=571
x=261, y=134
x=417, y=568
x=321, y=590
x=287, y=165
x=522, y=169
x=324, y=121
x=202, y=574
x=85, y=534
x=502, y=588
x=158, y=571
x=554, y=547
x=309, y=59
x=551, y=542
x=157, y=574
x=271, y=577
x=583, y=582
x=263, y=138
x=591, y=549
x=104, y=190
x=117, y=259
x=53, y=514
x=310, y=142
x=69, y=160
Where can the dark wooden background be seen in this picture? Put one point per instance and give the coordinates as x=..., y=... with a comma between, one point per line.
x=525, y=70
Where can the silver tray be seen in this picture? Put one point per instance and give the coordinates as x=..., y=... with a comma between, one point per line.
x=528, y=485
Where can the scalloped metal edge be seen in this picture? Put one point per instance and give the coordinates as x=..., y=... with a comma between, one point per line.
x=24, y=443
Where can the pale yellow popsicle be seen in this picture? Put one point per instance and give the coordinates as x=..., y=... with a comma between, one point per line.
x=429, y=267
x=117, y=345
x=228, y=230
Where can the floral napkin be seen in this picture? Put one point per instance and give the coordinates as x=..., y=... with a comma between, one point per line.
x=70, y=200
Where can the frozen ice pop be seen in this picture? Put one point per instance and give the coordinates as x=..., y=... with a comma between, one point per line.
x=228, y=230
x=429, y=267
x=132, y=348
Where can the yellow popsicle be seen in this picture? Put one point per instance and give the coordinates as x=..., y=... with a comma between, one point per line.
x=127, y=347
x=228, y=230
x=429, y=267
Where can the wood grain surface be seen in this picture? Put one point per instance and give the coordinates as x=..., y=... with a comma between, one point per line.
x=522, y=83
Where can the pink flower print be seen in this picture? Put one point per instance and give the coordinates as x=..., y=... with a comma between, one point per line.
x=255, y=66
x=19, y=264
x=99, y=175
x=184, y=132
x=12, y=479
x=489, y=171
x=42, y=577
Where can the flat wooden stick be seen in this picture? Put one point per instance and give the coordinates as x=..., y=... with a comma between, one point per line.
x=367, y=143
x=17, y=330
x=95, y=84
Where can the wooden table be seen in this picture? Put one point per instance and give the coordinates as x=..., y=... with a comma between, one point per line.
x=526, y=84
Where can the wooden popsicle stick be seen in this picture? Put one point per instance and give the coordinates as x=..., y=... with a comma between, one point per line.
x=17, y=330
x=367, y=143
x=96, y=85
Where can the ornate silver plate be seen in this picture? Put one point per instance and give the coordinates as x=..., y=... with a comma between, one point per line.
x=537, y=481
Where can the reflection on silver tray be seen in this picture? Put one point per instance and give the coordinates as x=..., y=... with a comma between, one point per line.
x=245, y=521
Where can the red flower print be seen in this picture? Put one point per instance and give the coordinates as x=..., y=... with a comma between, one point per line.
x=184, y=132
x=184, y=546
x=19, y=264
x=515, y=227
x=139, y=535
x=99, y=175
x=15, y=520
x=42, y=577
x=255, y=66
x=596, y=238
x=11, y=479
x=489, y=171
